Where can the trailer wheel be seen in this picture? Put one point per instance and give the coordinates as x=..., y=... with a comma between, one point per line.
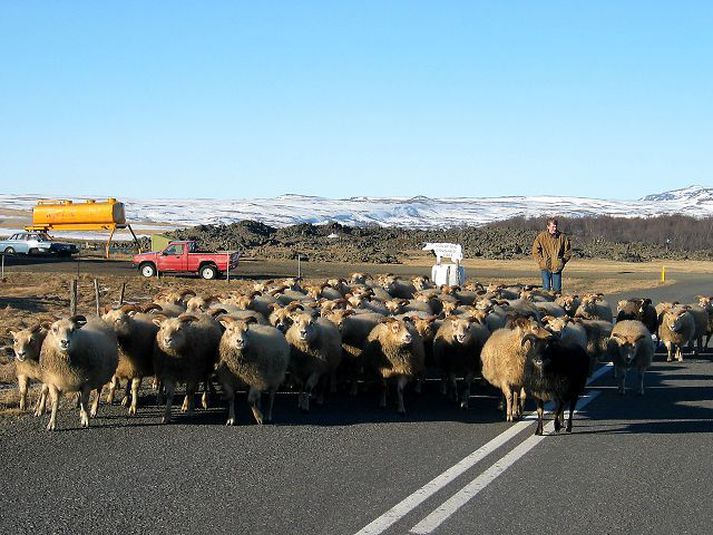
x=148, y=270
x=208, y=272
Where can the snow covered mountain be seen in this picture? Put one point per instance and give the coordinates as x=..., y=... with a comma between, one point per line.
x=414, y=212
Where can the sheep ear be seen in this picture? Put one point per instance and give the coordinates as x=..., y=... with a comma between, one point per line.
x=78, y=321
x=546, y=319
x=13, y=334
x=226, y=320
x=107, y=309
x=35, y=328
x=249, y=320
x=218, y=312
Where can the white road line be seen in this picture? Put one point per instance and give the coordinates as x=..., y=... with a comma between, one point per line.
x=467, y=493
x=408, y=504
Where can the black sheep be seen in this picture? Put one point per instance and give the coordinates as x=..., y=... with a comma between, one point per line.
x=558, y=373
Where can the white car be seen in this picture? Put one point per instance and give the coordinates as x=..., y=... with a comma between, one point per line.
x=33, y=243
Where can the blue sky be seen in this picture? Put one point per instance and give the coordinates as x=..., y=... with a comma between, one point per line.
x=257, y=99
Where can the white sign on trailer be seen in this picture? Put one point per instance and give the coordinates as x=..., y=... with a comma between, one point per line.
x=454, y=251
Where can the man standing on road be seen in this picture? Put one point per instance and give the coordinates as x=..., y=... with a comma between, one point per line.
x=552, y=250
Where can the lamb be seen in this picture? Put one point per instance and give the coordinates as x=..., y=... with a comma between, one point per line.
x=639, y=309
x=78, y=356
x=503, y=357
x=315, y=352
x=594, y=307
x=186, y=350
x=557, y=372
x=136, y=333
x=456, y=350
x=27, y=344
x=256, y=355
x=630, y=345
x=394, y=349
x=676, y=329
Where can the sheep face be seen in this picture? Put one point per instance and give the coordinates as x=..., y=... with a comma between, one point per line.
x=63, y=332
x=555, y=325
x=27, y=343
x=677, y=321
x=462, y=333
x=425, y=327
x=282, y=318
x=306, y=327
x=400, y=333
x=395, y=306
x=235, y=335
x=118, y=320
x=172, y=334
x=196, y=304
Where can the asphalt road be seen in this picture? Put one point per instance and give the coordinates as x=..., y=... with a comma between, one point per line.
x=632, y=465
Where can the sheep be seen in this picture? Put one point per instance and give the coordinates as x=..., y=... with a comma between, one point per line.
x=503, y=357
x=27, y=344
x=354, y=329
x=547, y=308
x=456, y=350
x=598, y=332
x=557, y=372
x=700, y=318
x=594, y=307
x=78, y=356
x=394, y=349
x=630, y=345
x=256, y=355
x=186, y=350
x=570, y=303
x=636, y=308
x=676, y=328
x=399, y=288
x=135, y=333
x=315, y=352
x=281, y=317
x=422, y=282
x=706, y=303
x=568, y=331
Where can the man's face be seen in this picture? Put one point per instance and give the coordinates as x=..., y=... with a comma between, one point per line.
x=552, y=227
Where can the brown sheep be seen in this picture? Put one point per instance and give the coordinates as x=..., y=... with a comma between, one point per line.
x=677, y=328
x=394, y=349
x=504, y=356
x=456, y=350
x=315, y=353
x=186, y=350
x=27, y=344
x=256, y=355
x=630, y=345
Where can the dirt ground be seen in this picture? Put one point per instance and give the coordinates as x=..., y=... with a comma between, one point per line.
x=27, y=297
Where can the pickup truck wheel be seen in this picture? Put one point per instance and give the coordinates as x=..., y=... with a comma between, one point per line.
x=147, y=270
x=208, y=272
x=9, y=250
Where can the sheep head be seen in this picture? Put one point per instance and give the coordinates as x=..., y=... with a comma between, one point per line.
x=27, y=343
x=235, y=335
x=306, y=326
x=627, y=346
x=398, y=331
x=172, y=335
x=63, y=332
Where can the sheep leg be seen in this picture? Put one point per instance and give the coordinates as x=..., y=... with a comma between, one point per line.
x=22, y=383
x=84, y=402
x=679, y=353
x=508, y=393
x=558, y=415
x=669, y=350
x=189, y=401
x=382, y=393
x=270, y=404
x=95, y=405
x=311, y=382
x=400, y=384
x=135, y=384
x=641, y=382
x=229, y=395
x=54, y=397
x=444, y=384
x=418, y=387
x=465, y=396
x=42, y=401
x=208, y=394
x=333, y=382
x=113, y=385
x=127, y=391
x=622, y=380
x=453, y=386
x=540, y=417
x=572, y=405
x=170, y=389
x=254, y=402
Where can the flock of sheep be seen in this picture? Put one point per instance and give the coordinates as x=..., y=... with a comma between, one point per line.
x=523, y=341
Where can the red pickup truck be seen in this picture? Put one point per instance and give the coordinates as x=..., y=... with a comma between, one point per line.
x=184, y=257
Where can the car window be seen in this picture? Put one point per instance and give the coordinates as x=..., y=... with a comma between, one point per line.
x=176, y=249
x=13, y=237
x=27, y=237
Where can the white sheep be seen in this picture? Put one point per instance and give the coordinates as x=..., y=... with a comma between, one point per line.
x=630, y=345
x=78, y=356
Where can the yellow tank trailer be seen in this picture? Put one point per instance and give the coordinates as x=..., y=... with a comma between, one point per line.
x=90, y=215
